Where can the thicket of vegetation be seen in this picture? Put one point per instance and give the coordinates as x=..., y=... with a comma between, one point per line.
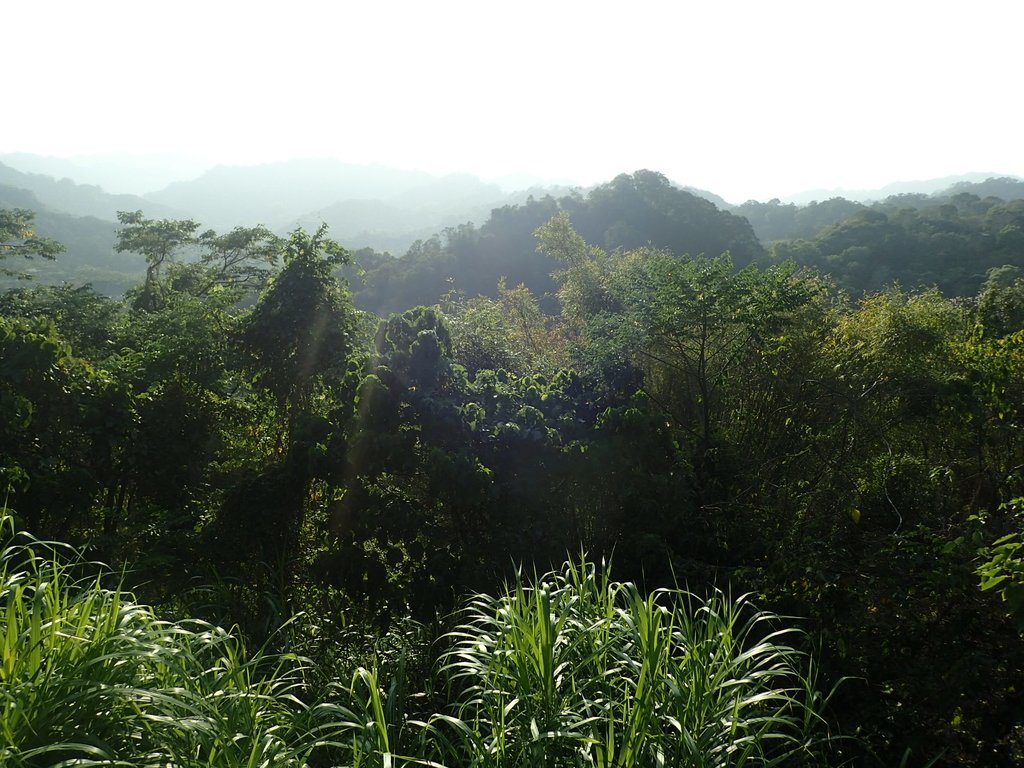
x=252, y=451
x=574, y=670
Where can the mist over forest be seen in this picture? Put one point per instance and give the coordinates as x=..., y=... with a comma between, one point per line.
x=314, y=463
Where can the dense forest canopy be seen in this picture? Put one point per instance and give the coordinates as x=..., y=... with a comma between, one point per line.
x=819, y=407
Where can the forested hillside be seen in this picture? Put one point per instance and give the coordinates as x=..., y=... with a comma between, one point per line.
x=949, y=239
x=628, y=212
x=249, y=448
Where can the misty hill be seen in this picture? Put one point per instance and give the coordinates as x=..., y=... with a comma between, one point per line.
x=417, y=214
x=79, y=199
x=1003, y=187
x=718, y=200
x=383, y=208
x=923, y=187
x=365, y=205
x=628, y=212
x=118, y=174
x=393, y=224
x=383, y=226
x=277, y=194
x=776, y=220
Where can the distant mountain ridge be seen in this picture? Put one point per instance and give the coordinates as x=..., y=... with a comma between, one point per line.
x=1003, y=187
x=277, y=193
x=364, y=205
x=924, y=186
x=417, y=214
x=312, y=184
x=80, y=199
x=116, y=174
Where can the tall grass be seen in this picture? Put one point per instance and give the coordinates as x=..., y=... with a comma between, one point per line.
x=87, y=676
x=573, y=670
x=578, y=670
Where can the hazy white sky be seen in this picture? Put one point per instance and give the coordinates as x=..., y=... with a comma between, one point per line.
x=746, y=99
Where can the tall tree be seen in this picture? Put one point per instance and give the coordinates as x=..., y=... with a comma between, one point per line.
x=158, y=240
x=304, y=324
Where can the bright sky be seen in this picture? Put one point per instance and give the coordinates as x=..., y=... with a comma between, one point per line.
x=747, y=99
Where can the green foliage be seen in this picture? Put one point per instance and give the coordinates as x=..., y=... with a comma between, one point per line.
x=1004, y=569
x=948, y=242
x=86, y=319
x=243, y=429
x=774, y=220
x=241, y=258
x=302, y=326
x=1001, y=301
x=579, y=670
x=575, y=670
x=158, y=240
x=90, y=677
x=706, y=345
x=18, y=238
x=58, y=414
x=510, y=332
x=1002, y=566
